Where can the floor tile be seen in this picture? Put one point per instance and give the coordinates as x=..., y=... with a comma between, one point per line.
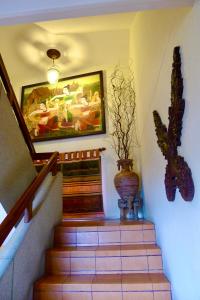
x=83, y=251
x=106, y=282
x=131, y=226
x=109, y=237
x=138, y=296
x=134, y=249
x=165, y=295
x=135, y=263
x=108, y=250
x=105, y=264
x=78, y=283
x=92, y=228
x=87, y=238
x=152, y=249
x=58, y=265
x=149, y=236
x=83, y=264
x=109, y=227
x=159, y=282
x=77, y=296
x=131, y=236
x=106, y=296
x=155, y=262
x=136, y=282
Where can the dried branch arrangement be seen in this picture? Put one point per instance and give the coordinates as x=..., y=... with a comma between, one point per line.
x=122, y=111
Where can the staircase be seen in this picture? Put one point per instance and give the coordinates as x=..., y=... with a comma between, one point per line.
x=103, y=260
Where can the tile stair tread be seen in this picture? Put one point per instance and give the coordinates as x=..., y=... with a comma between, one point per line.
x=125, y=282
x=128, y=247
x=109, y=222
x=83, y=216
x=130, y=282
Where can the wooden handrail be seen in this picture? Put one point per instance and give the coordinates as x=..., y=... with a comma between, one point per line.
x=14, y=103
x=24, y=203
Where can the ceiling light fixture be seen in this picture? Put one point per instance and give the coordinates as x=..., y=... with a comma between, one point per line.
x=53, y=72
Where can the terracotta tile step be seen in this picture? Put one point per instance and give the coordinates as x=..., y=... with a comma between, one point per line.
x=104, y=259
x=104, y=233
x=101, y=225
x=98, y=287
x=106, y=250
x=83, y=216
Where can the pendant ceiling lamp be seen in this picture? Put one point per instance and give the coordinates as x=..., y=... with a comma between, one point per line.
x=53, y=72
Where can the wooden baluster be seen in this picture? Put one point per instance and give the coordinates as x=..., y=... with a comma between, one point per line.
x=66, y=156
x=85, y=155
x=54, y=170
x=92, y=152
x=97, y=153
x=62, y=157
x=72, y=155
x=81, y=154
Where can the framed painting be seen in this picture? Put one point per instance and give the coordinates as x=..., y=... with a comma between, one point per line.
x=73, y=107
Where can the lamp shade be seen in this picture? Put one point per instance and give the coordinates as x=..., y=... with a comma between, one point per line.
x=52, y=75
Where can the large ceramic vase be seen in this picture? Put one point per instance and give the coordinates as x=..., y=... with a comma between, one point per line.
x=126, y=181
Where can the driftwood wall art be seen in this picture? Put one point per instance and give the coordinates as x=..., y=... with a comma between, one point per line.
x=178, y=174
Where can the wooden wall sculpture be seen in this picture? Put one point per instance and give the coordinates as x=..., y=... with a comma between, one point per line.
x=178, y=174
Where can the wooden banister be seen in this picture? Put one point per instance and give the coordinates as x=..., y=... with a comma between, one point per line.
x=13, y=101
x=40, y=158
x=24, y=203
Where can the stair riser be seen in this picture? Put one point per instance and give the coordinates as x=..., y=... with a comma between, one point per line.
x=138, y=287
x=89, y=238
x=132, y=270
x=143, y=295
x=103, y=265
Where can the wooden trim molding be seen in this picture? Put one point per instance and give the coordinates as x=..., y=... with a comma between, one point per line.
x=91, y=154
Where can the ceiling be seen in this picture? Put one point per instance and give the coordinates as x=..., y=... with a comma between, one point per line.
x=83, y=31
x=82, y=42
x=23, y=11
x=89, y=24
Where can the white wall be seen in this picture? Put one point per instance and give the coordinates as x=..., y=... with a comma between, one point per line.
x=17, y=170
x=22, y=253
x=106, y=49
x=153, y=37
x=90, y=51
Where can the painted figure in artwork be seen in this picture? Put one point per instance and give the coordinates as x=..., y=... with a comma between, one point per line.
x=69, y=109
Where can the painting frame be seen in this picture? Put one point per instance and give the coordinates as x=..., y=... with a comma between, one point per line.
x=74, y=107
